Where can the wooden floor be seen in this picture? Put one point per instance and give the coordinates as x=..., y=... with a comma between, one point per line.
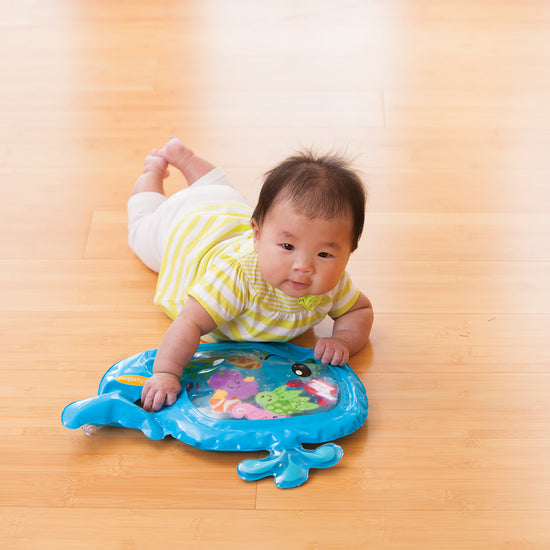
x=445, y=108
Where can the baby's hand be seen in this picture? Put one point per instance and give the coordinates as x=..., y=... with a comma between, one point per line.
x=331, y=351
x=161, y=389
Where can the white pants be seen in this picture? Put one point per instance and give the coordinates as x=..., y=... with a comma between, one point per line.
x=152, y=216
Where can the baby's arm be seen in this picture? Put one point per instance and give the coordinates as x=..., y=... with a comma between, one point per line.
x=350, y=333
x=175, y=351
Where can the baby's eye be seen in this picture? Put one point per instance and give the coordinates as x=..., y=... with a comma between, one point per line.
x=287, y=246
x=324, y=254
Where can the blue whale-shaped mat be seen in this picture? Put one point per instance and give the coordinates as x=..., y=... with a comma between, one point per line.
x=240, y=397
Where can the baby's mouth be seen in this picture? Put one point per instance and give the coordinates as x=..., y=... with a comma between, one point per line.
x=298, y=284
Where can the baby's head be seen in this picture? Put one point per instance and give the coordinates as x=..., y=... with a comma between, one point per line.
x=317, y=187
x=308, y=220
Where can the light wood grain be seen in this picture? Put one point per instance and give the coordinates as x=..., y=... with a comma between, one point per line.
x=443, y=108
x=248, y=529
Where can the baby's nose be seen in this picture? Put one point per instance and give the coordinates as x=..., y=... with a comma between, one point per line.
x=303, y=264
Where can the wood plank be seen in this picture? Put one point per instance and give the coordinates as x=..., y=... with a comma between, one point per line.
x=454, y=343
x=52, y=240
x=353, y=491
x=457, y=191
x=387, y=530
x=473, y=109
x=455, y=287
x=113, y=465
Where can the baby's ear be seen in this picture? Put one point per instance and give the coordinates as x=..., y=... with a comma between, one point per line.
x=255, y=229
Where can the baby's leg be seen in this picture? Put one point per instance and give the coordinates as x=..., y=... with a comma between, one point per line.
x=154, y=172
x=181, y=157
x=146, y=197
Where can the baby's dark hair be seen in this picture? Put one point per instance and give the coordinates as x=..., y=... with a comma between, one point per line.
x=318, y=187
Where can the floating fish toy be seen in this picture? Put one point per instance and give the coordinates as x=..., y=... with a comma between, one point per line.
x=240, y=397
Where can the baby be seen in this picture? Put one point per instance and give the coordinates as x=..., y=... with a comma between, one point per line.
x=237, y=274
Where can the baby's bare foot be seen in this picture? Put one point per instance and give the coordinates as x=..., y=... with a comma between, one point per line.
x=155, y=169
x=175, y=153
x=181, y=157
x=155, y=165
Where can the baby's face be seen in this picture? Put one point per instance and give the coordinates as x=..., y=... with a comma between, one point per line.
x=299, y=255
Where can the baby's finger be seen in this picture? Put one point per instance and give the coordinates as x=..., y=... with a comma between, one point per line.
x=339, y=355
x=319, y=352
x=146, y=400
x=158, y=401
x=328, y=356
x=341, y=358
x=171, y=398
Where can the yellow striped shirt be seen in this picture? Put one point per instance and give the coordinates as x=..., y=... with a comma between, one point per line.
x=210, y=256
